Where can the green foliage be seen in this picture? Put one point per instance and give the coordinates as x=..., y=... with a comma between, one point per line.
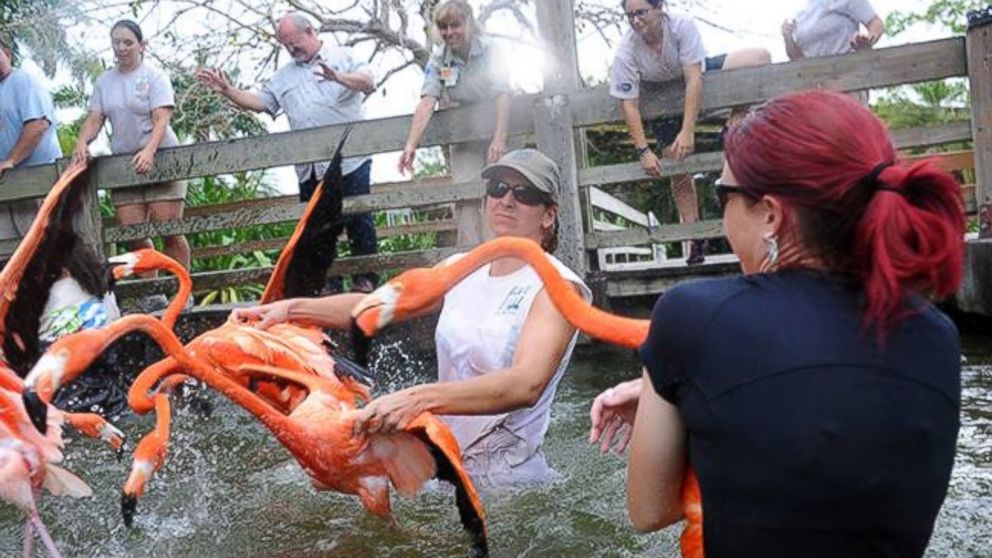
x=37, y=25
x=951, y=14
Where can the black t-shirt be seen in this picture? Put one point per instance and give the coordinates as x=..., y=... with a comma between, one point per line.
x=808, y=440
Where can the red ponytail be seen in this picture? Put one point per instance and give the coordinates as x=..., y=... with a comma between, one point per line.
x=829, y=159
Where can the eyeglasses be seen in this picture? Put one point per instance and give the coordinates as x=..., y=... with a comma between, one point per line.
x=444, y=26
x=637, y=14
x=525, y=194
x=723, y=190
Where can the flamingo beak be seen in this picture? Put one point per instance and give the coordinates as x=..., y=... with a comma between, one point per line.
x=37, y=410
x=129, y=504
x=360, y=343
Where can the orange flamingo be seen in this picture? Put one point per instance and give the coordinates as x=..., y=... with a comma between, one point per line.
x=317, y=432
x=147, y=259
x=24, y=285
x=28, y=464
x=416, y=290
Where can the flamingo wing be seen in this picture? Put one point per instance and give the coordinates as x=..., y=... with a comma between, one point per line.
x=34, y=267
x=444, y=448
x=300, y=269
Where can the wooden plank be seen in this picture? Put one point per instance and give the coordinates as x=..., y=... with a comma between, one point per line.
x=277, y=243
x=979, y=50
x=656, y=282
x=866, y=69
x=345, y=266
x=907, y=138
x=610, y=204
x=870, y=68
x=654, y=235
x=250, y=214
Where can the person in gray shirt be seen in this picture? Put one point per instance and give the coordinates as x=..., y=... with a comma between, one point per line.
x=27, y=135
x=138, y=100
x=829, y=27
x=323, y=85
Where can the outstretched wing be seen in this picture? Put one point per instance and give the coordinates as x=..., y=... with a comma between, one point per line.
x=300, y=270
x=447, y=456
x=34, y=267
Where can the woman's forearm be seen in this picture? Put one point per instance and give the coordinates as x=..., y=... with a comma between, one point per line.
x=693, y=101
x=635, y=127
x=421, y=117
x=331, y=312
x=91, y=127
x=502, y=125
x=160, y=118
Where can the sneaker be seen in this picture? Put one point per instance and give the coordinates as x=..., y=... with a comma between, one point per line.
x=697, y=253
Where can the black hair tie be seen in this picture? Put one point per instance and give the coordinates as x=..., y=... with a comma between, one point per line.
x=872, y=178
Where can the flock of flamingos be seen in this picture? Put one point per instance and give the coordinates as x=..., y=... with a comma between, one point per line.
x=284, y=376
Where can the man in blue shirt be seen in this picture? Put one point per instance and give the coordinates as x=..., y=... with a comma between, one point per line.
x=27, y=135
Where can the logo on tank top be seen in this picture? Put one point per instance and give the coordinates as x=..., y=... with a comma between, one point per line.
x=514, y=298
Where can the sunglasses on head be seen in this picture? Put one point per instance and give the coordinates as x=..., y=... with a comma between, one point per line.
x=723, y=190
x=525, y=194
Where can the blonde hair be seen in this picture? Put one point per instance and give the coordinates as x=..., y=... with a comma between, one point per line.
x=455, y=9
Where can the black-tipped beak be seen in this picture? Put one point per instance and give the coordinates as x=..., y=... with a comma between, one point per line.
x=37, y=410
x=360, y=343
x=129, y=504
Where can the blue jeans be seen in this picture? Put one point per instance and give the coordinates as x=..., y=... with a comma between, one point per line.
x=361, y=229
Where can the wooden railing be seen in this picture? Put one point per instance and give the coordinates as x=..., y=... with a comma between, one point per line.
x=539, y=117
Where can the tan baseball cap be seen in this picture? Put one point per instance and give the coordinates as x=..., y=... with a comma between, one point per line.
x=536, y=167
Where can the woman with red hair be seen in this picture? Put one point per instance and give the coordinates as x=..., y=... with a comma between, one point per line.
x=816, y=396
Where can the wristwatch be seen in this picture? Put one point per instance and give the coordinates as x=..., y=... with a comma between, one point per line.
x=642, y=150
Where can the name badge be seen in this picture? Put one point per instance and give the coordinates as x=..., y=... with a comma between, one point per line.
x=449, y=76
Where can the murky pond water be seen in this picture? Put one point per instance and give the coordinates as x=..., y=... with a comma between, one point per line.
x=229, y=489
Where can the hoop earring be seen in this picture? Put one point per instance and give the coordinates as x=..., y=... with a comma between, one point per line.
x=772, y=258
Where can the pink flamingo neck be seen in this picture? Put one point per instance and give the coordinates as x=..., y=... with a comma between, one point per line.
x=626, y=332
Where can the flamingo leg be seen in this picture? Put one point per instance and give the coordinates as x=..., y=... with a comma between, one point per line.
x=28, y=539
x=46, y=539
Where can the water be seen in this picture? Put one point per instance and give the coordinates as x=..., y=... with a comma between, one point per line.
x=228, y=489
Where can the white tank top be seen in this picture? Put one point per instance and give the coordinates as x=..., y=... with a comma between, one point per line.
x=477, y=334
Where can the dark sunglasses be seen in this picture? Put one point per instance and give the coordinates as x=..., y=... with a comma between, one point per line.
x=723, y=190
x=527, y=195
x=631, y=16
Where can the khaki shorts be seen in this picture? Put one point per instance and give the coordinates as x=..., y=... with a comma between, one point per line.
x=16, y=218
x=150, y=193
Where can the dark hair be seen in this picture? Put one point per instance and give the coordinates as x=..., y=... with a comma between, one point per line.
x=91, y=274
x=898, y=227
x=131, y=26
x=653, y=3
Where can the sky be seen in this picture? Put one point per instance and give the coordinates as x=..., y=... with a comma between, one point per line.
x=753, y=24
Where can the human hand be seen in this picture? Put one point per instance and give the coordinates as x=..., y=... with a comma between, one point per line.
x=406, y=160
x=612, y=416
x=5, y=166
x=684, y=145
x=651, y=164
x=388, y=413
x=214, y=80
x=143, y=161
x=861, y=41
x=497, y=148
x=789, y=29
x=81, y=153
x=326, y=71
x=264, y=316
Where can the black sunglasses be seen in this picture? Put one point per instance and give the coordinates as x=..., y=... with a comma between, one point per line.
x=525, y=194
x=723, y=190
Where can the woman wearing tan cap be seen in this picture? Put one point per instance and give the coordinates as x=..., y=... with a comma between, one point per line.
x=502, y=346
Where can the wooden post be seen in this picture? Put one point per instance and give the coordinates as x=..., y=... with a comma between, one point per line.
x=554, y=125
x=89, y=223
x=979, y=48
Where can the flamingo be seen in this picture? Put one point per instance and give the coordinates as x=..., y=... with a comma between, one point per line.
x=317, y=432
x=28, y=464
x=416, y=290
x=24, y=285
x=284, y=371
